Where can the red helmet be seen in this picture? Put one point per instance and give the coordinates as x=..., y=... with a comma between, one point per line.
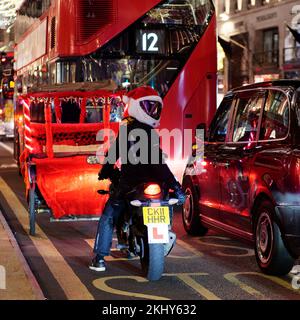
x=145, y=105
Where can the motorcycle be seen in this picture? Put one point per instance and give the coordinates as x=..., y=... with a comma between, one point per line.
x=147, y=225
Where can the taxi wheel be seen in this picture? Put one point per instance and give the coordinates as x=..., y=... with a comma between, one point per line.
x=32, y=210
x=271, y=254
x=190, y=210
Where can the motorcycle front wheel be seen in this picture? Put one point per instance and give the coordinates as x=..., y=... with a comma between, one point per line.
x=152, y=259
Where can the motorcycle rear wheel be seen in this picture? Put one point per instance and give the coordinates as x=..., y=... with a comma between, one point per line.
x=152, y=259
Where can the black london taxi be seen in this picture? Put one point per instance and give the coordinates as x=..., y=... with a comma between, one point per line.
x=248, y=181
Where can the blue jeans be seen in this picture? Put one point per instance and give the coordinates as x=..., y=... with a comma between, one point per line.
x=108, y=220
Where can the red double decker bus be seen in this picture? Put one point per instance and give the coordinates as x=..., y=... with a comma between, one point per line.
x=85, y=45
x=170, y=45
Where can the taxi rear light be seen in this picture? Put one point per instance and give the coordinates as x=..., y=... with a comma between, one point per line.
x=152, y=190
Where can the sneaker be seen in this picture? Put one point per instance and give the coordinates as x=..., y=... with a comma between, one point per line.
x=130, y=255
x=97, y=265
x=121, y=246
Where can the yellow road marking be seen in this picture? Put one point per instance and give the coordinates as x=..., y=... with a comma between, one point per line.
x=250, y=252
x=63, y=273
x=90, y=242
x=232, y=277
x=101, y=285
x=187, y=279
x=189, y=248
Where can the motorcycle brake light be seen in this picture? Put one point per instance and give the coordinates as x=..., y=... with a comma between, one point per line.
x=152, y=190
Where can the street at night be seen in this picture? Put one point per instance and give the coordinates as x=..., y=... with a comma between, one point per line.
x=212, y=267
x=149, y=158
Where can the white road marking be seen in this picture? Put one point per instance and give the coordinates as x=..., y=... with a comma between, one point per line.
x=8, y=166
x=7, y=148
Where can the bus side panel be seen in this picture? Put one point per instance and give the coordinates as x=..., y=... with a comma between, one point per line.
x=67, y=45
x=192, y=97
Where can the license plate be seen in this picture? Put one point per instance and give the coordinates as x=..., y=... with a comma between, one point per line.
x=156, y=215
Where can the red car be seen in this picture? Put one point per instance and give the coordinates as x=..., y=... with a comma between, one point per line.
x=248, y=182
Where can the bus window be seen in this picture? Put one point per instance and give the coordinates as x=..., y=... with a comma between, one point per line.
x=164, y=39
x=179, y=12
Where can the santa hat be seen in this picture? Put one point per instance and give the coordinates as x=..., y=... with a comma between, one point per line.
x=142, y=93
x=133, y=98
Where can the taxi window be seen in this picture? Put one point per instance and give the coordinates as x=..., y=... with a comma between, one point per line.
x=275, y=120
x=219, y=126
x=247, y=115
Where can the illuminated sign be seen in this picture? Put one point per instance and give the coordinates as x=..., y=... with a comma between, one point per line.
x=150, y=41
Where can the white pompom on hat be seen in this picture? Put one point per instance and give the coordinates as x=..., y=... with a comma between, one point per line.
x=125, y=99
x=133, y=98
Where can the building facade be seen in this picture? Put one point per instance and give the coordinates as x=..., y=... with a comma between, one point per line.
x=259, y=44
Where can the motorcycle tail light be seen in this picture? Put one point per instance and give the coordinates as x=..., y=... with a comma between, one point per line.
x=152, y=190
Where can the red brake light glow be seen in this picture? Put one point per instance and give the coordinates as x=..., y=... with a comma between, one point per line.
x=152, y=190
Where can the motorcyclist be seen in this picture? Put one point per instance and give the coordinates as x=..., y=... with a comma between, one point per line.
x=144, y=109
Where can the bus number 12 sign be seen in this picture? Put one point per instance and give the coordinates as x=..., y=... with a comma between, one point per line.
x=150, y=41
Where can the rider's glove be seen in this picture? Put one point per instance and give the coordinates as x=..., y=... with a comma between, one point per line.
x=180, y=195
x=105, y=172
